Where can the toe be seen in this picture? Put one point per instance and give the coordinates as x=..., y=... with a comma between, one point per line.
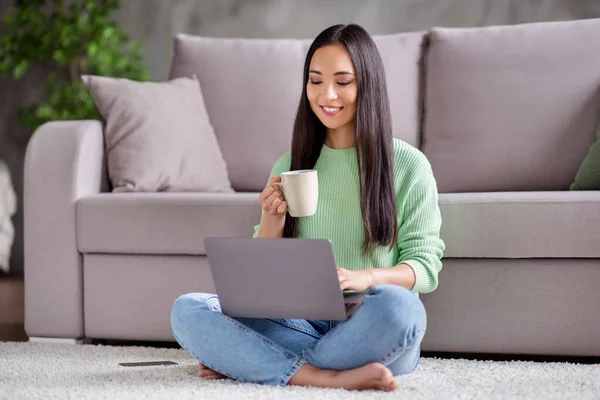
x=391, y=386
x=214, y=376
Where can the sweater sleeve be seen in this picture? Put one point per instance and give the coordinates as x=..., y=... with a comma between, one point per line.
x=419, y=242
x=282, y=165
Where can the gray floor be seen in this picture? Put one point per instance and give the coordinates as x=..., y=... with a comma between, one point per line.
x=42, y=371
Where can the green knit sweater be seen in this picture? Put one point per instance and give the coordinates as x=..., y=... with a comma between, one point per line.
x=339, y=219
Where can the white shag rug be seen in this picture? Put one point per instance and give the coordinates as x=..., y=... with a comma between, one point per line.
x=58, y=371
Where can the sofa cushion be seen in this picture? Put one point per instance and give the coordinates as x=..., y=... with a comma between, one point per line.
x=511, y=108
x=521, y=224
x=252, y=88
x=110, y=309
x=475, y=225
x=158, y=136
x=162, y=223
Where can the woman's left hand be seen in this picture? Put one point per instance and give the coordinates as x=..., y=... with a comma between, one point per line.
x=355, y=280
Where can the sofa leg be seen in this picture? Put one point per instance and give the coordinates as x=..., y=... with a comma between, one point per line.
x=35, y=339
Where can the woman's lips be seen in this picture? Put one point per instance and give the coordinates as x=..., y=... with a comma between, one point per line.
x=331, y=111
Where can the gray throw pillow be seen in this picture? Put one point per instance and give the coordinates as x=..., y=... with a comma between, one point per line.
x=158, y=136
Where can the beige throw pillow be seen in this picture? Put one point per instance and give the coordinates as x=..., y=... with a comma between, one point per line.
x=158, y=136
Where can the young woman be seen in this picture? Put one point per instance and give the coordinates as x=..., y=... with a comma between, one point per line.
x=378, y=205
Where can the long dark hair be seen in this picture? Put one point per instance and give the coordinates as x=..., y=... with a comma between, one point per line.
x=373, y=135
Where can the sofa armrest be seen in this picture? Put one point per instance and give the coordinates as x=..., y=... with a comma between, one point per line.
x=64, y=161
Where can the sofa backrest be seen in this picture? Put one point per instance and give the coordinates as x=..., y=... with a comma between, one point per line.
x=511, y=107
x=252, y=88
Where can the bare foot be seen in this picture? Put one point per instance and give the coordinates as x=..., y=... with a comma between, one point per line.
x=206, y=373
x=372, y=376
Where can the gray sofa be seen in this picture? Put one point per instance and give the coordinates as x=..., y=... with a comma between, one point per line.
x=504, y=114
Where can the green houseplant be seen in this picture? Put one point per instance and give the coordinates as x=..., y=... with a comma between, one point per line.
x=68, y=39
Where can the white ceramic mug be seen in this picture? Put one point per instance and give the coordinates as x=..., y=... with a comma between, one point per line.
x=301, y=191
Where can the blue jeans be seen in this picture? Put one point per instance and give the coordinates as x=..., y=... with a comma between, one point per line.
x=388, y=328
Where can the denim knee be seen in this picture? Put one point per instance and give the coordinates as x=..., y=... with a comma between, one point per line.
x=189, y=304
x=402, y=310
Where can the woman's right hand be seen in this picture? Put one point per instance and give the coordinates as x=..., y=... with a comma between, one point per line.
x=272, y=200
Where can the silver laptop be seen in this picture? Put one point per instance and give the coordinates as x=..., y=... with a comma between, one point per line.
x=276, y=278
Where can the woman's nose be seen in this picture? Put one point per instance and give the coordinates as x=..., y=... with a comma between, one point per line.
x=330, y=93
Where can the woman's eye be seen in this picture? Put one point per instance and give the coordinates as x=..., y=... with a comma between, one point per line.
x=344, y=83
x=314, y=82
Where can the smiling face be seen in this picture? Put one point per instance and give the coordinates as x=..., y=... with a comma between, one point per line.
x=331, y=88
